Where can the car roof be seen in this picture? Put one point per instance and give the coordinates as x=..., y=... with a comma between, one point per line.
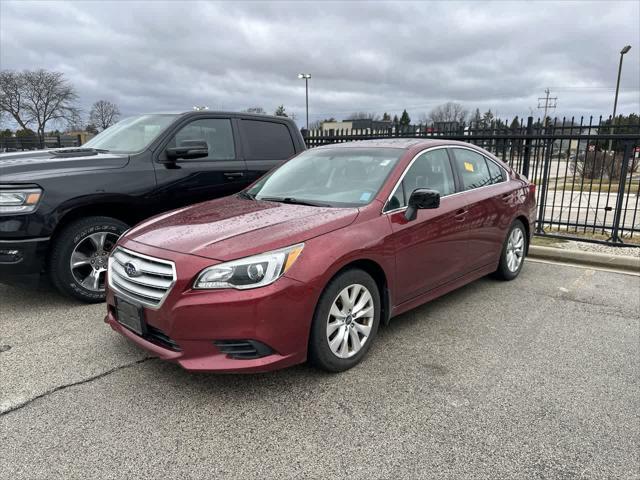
x=402, y=143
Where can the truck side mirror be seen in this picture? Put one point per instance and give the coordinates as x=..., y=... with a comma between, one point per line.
x=188, y=149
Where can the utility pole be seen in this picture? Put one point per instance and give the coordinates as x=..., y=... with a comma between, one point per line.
x=615, y=101
x=306, y=78
x=549, y=103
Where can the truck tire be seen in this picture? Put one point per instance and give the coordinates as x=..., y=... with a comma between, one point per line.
x=78, y=258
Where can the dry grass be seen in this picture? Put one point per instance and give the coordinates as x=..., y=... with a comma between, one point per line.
x=577, y=186
x=578, y=235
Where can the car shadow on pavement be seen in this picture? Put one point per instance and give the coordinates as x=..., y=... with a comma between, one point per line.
x=304, y=378
x=40, y=295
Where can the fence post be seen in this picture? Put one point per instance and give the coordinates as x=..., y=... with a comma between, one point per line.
x=615, y=232
x=545, y=183
x=526, y=160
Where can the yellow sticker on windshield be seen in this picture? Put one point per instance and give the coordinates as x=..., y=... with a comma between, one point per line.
x=468, y=166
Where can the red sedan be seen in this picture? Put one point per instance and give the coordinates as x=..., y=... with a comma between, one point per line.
x=307, y=262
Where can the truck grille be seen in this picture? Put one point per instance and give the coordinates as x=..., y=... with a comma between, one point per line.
x=142, y=278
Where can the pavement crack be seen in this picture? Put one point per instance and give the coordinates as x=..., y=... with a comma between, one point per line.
x=73, y=384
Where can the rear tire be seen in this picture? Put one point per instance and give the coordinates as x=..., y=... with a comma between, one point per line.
x=78, y=257
x=513, y=252
x=345, y=322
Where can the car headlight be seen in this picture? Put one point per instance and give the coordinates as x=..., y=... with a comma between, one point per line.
x=250, y=272
x=22, y=200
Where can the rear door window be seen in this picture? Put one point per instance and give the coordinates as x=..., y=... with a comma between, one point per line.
x=496, y=173
x=472, y=169
x=266, y=140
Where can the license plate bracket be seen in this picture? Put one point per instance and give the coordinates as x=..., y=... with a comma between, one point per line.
x=130, y=316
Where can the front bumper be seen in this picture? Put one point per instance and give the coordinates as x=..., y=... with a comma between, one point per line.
x=278, y=316
x=22, y=257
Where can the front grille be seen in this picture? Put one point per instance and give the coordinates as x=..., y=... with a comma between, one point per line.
x=150, y=282
x=243, y=349
x=158, y=337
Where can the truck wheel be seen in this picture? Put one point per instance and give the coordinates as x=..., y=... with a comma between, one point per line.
x=78, y=259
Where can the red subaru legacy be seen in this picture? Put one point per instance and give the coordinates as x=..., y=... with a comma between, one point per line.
x=307, y=262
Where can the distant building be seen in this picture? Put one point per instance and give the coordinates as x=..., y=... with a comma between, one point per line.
x=83, y=135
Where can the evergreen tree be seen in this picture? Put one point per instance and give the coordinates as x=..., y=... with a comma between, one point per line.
x=477, y=118
x=405, y=120
x=487, y=118
x=280, y=111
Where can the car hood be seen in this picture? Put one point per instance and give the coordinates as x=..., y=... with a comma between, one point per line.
x=24, y=167
x=234, y=227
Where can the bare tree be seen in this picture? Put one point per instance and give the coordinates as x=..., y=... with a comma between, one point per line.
x=448, y=112
x=103, y=114
x=47, y=96
x=75, y=122
x=11, y=93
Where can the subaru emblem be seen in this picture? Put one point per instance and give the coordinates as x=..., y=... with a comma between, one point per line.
x=131, y=270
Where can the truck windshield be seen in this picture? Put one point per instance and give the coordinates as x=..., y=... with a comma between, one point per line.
x=132, y=134
x=335, y=177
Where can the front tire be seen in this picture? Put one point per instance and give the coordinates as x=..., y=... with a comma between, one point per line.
x=513, y=252
x=345, y=322
x=78, y=259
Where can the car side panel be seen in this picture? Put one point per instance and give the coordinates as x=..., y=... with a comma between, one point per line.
x=490, y=211
x=430, y=250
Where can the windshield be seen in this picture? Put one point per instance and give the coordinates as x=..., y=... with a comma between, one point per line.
x=340, y=177
x=132, y=134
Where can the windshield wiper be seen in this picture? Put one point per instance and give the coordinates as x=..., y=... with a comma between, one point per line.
x=246, y=195
x=294, y=201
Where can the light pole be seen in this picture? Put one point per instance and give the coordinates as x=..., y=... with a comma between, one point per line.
x=615, y=101
x=306, y=77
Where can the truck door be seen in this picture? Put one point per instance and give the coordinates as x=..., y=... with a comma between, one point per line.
x=189, y=181
x=266, y=144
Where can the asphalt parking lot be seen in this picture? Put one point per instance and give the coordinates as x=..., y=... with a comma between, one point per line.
x=536, y=378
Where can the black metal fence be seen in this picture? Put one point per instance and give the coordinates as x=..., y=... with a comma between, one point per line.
x=587, y=174
x=32, y=142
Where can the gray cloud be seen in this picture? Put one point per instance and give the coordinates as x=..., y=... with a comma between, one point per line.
x=155, y=56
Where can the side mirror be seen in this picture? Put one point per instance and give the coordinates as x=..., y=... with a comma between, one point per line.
x=188, y=149
x=421, y=198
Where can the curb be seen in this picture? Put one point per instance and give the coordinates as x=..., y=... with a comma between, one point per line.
x=620, y=262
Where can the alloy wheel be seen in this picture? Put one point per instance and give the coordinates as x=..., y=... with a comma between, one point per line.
x=350, y=321
x=515, y=250
x=89, y=260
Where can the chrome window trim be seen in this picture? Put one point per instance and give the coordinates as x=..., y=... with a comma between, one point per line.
x=137, y=301
x=452, y=166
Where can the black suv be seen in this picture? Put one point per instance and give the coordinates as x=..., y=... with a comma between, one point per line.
x=61, y=211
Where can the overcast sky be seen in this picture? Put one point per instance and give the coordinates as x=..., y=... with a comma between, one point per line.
x=363, y=56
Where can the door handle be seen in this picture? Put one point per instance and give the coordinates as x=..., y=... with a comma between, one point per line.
x=233, y=174
x=460, y=214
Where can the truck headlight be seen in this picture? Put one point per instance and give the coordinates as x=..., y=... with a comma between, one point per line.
x=250, y=272
x=19, y=200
